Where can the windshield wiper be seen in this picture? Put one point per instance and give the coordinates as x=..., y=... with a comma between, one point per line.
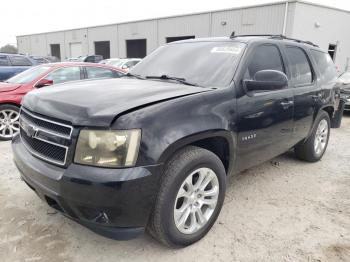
x=178, y=79
x=133, y=75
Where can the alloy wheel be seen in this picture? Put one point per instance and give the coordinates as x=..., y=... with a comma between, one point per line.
x=196, y=200
x=321, y=137
x=9, y=123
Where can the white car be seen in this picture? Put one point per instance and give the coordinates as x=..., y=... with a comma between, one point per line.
x=125, y=64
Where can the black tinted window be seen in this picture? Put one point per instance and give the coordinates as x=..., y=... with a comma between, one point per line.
x=266, y=57
x=301, y=73
x=20, y=61
x=3, y=60
x=325, y=65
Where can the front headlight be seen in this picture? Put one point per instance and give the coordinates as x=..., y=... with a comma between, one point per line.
x=108, y=148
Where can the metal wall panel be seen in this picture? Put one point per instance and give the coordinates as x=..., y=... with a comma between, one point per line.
x=38, y=45
x=324, y=26
x=76, y=36
x=253, y=20
x=103, y=33
x=23, y=44
x=264, y=19
x=197, y=25
x=56, y=38
x=137, y=30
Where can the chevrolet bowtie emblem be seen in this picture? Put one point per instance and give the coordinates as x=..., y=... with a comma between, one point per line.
x=30, y=130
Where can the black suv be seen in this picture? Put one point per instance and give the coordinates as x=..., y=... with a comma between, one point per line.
x=152, y=150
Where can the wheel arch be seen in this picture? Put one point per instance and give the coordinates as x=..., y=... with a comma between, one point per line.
x=221, y=142
x=11, y=104
x=330, y=110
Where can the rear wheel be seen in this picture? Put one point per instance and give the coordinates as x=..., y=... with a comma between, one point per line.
x=314, y=147
x=191, y=195
x=9, y=121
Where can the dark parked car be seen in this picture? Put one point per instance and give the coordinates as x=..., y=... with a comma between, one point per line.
x=12, y=64
x=153, y=149
x=344, y=83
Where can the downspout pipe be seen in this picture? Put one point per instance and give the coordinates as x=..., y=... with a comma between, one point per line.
x=285, y=19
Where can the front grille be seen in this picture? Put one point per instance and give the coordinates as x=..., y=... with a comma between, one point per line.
x=47, y=124
x=44, y=138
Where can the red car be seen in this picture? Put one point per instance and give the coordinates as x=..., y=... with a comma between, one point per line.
x=13, y=89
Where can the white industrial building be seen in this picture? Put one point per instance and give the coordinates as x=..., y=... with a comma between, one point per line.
x=325, y=26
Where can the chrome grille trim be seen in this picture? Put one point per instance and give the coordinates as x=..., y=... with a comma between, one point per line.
x=35, y=136
x=38, y=155
x=50, y=121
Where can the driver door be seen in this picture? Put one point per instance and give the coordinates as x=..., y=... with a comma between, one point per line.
x=265, y=118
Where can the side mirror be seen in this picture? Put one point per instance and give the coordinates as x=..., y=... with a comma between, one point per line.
x=44, y=82
x=125, y=67
x=267, y=80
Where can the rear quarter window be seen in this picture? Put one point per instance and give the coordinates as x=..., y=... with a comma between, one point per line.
x=325, y=65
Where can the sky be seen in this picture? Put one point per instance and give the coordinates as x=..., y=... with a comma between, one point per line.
x=22, y=17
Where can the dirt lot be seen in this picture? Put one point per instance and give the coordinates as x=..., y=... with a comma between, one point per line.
x=283, y=210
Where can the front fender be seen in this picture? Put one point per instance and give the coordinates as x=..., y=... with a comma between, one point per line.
x=170, y=125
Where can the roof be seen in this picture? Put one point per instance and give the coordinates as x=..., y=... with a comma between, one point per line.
x=195, y=13
x=64, y=64
x=251, y=38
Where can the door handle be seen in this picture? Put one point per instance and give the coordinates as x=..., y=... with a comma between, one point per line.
x=287, y=104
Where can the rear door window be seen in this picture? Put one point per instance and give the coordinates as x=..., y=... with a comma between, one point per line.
x=325, y=65
x=301, y=72
x=20, y=61
x=266, y=57
x=3, y=60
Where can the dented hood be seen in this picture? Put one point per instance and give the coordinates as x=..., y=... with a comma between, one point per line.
x=99, y=102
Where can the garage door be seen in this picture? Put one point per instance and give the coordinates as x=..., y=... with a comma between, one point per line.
x=75, y=49
x=136, y=48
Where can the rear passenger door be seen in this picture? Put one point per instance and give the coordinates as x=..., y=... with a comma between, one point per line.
x=306, y=93
x=265, y=119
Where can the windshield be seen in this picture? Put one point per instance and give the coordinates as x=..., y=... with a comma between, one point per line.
x=28, y=75
x=114, y=62
x=207, y=64
x=345, y=77
x=119, y=63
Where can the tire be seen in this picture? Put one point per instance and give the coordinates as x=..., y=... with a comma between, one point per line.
x=185, y=164
x=307, y=150
x=9, y=122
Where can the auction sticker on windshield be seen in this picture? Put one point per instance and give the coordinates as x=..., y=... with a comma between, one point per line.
x=226, y=49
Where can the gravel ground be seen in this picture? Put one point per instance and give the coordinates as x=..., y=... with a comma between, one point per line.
x=283, y=210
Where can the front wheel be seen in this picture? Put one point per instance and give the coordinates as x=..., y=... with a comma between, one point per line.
x=314, y=147
x=191, y=195
x=9, y=122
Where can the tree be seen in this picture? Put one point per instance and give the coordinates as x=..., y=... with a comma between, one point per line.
x=10, y=49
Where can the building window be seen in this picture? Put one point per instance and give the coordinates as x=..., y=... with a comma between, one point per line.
x=332, y=49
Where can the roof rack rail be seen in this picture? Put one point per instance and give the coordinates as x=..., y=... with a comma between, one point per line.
x=271, y=36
